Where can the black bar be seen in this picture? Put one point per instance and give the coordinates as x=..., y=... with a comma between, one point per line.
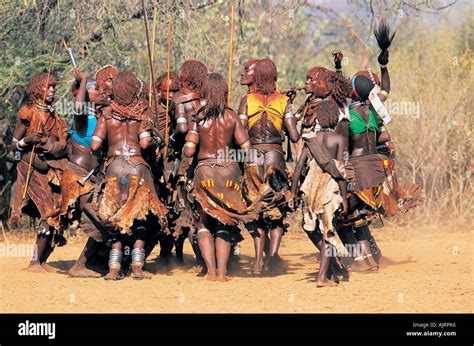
x=242, y=329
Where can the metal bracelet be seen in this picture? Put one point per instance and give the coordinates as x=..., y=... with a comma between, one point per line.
x=144, y=134
x=20, y=145
x=97, y=139
x=190, y=145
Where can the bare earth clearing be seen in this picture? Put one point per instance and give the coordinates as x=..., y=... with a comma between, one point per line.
x=423, y=270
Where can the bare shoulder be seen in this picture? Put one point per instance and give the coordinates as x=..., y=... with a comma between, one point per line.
x=338, y=138
x=231, y=114
x=243, y=104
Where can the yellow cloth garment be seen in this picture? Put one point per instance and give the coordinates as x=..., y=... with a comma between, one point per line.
x=275, y=108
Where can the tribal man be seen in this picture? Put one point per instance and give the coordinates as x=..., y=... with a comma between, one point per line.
x=40, y=137
x=129, y=197
x=218, y=181
x=267, y=113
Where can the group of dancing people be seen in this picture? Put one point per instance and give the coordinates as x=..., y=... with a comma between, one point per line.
x=145, y=165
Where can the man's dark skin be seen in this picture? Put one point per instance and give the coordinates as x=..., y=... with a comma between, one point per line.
x=215, y=134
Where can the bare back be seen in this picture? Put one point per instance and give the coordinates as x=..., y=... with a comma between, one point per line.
x=218, y=133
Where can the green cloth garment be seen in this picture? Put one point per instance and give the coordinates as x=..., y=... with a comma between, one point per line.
x=358, y=125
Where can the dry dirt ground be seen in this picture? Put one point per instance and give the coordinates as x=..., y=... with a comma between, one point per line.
x=423, y=270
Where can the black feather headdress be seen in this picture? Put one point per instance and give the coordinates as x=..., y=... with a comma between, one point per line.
x=382, y=34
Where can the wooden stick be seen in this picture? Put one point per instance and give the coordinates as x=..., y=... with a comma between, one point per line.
x=168, y=86
x=64, y=43
x=150, y=87
x=230, y=52
x=30, y=164
x=149, y=58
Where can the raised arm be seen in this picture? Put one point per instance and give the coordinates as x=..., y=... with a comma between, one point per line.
x=338, y=56
x=385, y=77
x=80, y=120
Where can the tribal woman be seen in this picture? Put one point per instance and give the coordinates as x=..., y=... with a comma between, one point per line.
x=267, y=114
x=129, y=197
x=40, y=137
x=80, y=183
x=218, y=183
x=323, y=197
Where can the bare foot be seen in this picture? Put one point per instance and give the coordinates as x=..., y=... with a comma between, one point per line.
x=258, y=269
x=326, y=283
x=223, y=278
x=334, y=278
x=138, y=273
x=371, y=270
x=210, y=277
x=48, y=268
x=114, y=275
x=36, y=268
x=80, y=271
x=361, y=266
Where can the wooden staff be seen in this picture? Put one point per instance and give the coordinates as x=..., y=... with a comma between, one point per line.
x=150, y=58
x=168, y=86
x=64, y=43
x=230, y=51
x=30, y=164
x=150, y=88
